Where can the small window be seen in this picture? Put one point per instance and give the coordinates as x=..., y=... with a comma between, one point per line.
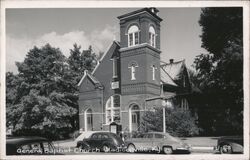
x=114, y=67
x=133, y=65
x=94, y=136
x=148, y=136
x=99, y=136
x=133, y=36
x=104, y=136
x=153, y=72
x=159, y=136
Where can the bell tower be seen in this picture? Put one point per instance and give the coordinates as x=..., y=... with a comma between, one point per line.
x=140, y=52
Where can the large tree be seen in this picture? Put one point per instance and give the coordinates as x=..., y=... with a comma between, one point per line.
x=41, y=99
x=220, y=71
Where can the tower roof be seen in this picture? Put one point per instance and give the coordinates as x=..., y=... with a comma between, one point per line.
x=152, y=11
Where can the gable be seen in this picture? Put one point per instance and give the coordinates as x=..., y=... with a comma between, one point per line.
x=175, y=74
x=87, y=85
x=104, y=71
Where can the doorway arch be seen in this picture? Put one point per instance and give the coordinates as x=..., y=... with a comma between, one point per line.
x=88, y=115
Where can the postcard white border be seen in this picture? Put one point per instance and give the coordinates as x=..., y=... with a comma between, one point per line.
x=127, y=4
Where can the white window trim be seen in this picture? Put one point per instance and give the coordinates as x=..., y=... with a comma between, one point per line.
x=152, y=41
x=154, y=68
x=133, y=36
x=132, y=72
x=115, y=74
x=111, y=109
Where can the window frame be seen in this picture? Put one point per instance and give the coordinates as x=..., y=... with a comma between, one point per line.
x=111, y=109
x=132, y=66
x=154, y=68
x=152, y=37
x=133, y=36
x=115, y=69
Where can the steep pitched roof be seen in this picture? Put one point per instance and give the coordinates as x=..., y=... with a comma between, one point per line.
x=113, y=45
x=91, y=77
x=174, y=69
x=166, y=79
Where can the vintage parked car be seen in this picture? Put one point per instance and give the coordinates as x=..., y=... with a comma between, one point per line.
x=102, y=141
x=229, y=145
x=29, y=146
x=158, y=142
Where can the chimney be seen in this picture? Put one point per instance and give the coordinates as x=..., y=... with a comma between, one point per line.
x=171, y=61
x=154, y=10
x=85, y=71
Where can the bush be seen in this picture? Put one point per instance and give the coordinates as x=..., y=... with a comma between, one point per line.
x=178, y=122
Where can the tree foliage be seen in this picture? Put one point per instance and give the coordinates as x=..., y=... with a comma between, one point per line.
x=42, y=98
x=178, y=122
x=220, y=71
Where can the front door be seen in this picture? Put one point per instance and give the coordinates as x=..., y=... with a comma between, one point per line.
x=135, y=121
x=134, y=118
x=88, y=120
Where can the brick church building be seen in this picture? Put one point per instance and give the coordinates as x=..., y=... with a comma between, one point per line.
x=130, y=78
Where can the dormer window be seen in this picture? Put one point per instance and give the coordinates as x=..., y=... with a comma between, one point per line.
x=152, y=36
x=133, y=36
x=133, y=65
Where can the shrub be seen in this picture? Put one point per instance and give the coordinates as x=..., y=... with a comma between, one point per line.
x=178, y=122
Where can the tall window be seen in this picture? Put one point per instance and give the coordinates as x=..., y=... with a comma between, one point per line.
x=133, y=65
x=88, y=120
x=133, y=36
x=113, y=109
x=152, y=36
x=153, y=72
x=114, y=67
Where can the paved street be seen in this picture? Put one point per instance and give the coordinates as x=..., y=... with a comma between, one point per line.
x=200, y=145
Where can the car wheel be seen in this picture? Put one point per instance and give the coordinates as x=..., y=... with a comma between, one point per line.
x=131, y=148
x=226, y=149
x=167, y=150
x=84, y=148
x=105, y=148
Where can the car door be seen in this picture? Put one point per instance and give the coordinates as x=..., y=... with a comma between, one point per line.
x=93, y=141
x=159, y=140
x=145, y=143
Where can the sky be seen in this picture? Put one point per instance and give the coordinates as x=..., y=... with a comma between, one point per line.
x=62, y=27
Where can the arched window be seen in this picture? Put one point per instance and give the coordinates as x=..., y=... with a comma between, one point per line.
x=88, y=120
x=133, y=65
x=152, y=36
x=113, y=109
x=133, y=35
